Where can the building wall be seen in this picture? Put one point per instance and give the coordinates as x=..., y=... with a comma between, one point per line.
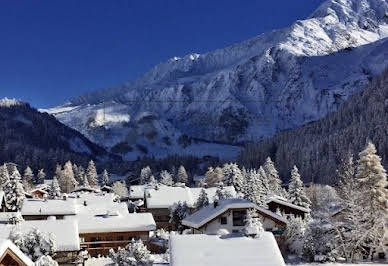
x=162, y=218
x=100, y=243
x=215, y=225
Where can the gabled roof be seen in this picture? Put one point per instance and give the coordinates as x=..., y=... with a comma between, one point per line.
x=286, y=203
x=208, y=213
x=99, y=213
x=49, y=207
x=166, y=196
x=136, y=191
x=85, y=189
x=38, y=190
x=8, y=245
x=65, y=232
x=232, y=250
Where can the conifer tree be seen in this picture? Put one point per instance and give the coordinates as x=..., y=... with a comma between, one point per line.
x=296, y=190
x=181, y=176
x=105, y=177
x=14, y=192
x=222, y=193
x=274, y=181
x=4, y=175
x=373, y=182
x=55, y=191
x=233, y=177
x=28, y=179
x=145, y=175
x=166, y=178
x=92, y=174
x=203, y=200
x=253, y=226
x=40, y=177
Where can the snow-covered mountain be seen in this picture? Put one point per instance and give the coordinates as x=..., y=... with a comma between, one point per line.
x=29, y=137
x=206, y=104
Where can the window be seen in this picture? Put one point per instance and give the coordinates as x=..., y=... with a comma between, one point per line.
x=238, y=218
x=223, y=220
x=120, y=238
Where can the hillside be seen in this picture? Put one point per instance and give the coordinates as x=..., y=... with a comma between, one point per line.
x=318, y=147
x=28, y=137
x=210, y=104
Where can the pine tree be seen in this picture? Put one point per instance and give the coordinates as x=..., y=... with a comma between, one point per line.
x=295, y=235
x=145, y=175
x=55, y=191
x=14, y=192
x=134, y=254
x=296, y=190
x=67, y=181
x=166, y=178
x=178, y=212
x=254, y=190
x=28, y=179
x=79, y=175
x=213, y=176
x=274, y=181
x=222, y=193
x=203, y=200
x=233, y=177
x=4, y=175
x=181, y=176
x=40, y=177
x=373, y=182
x=92, y=174
x=264, y=181
x=253, y=227
x=105, y=177
x=85, y=182
x=120, y=189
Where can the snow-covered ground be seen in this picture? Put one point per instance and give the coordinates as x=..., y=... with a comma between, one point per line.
x=339, y=264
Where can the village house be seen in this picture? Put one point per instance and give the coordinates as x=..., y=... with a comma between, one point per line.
x=224, y=250
x=229, y=214
x=38, y=193
x=277, y=203
x=104, y=224
x=11, y=255
x=41, y=209
x=65, y=235
x=158, y=201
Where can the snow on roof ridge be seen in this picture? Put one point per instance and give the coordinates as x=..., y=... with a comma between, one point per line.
x=7, y=244
x=286, y=203
x=206, y=214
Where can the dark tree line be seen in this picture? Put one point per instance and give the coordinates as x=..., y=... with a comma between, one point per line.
x=317, y=148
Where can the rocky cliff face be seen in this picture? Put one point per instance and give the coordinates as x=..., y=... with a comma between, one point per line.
x=208, y=104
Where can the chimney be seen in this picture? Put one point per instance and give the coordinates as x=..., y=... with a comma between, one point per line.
x=215, y=203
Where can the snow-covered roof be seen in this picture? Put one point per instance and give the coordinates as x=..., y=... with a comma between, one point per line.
x=136, y=191
x=286, y=203
x=102, y=214
x=49, y=207
x=214, y=250
x=38, y=190
x=101, y=261
x=116, y=222
x=65, y=232
x=208, y=213
x=166, y=196
x=85, y=189
x=7, y=244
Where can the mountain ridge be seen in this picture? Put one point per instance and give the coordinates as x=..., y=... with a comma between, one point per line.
x=250, y=90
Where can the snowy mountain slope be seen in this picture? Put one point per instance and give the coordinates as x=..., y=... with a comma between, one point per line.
x=277, y=80
x=28, y=137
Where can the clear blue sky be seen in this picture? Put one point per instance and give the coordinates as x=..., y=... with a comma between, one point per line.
x=53, y=50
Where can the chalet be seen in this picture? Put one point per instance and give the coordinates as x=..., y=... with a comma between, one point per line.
x=274, y=203
x=158, y=201
x=11, y=255
x=64, y=232
x=85, y=189
x=229, y=214
x=226, y=250
x=107, y=189
x=38, y=209
x=38, y=193
x=104, y=224
x=3, y=203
